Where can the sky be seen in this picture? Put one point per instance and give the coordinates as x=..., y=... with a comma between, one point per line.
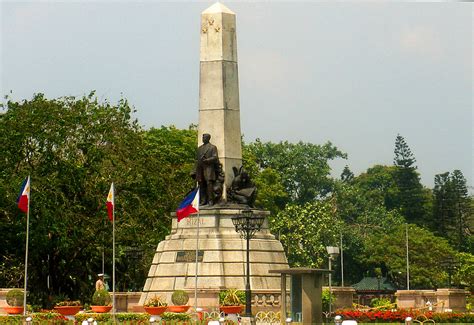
x=352, y=73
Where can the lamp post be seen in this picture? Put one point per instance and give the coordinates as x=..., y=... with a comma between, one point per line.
x=333, y=252
x=247, y=225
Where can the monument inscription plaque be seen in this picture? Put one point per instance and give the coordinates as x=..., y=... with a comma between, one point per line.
x=188, y=256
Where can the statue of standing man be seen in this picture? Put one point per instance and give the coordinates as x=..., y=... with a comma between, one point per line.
x=206, y=170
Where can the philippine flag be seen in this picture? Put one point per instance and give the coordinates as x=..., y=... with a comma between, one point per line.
x=111, y=202
x=24, y=196
x=189, y=205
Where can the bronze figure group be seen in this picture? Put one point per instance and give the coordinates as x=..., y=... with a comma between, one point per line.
x=210, y=177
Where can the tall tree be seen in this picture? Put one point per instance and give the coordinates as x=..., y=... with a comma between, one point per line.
x=361, y=205
x=305, y=231
x=412, y=199
x=303, y=167
x=271, y=193
x=403, y=155
x=378, y=184
x=347, y=175
x=73, y=148
x=452, y=216
x=442, y=216
x=426, y=255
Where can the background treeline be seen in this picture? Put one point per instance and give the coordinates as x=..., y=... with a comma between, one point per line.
x=73, y=148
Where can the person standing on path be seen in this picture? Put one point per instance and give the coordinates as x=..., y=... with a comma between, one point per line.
x=100, y=284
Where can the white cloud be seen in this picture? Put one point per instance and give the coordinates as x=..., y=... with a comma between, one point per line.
x=421, y=41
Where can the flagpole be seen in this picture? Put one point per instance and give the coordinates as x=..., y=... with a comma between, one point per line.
x=197, y=253
x=26, y=251
x=408, y=261
x=113, y=254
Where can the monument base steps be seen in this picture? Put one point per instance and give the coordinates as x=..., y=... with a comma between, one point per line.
x=221, y=260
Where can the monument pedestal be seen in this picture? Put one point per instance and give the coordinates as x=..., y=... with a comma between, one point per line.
x=221, y=260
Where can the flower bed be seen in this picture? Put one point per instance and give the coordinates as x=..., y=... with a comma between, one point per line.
x=398, y=316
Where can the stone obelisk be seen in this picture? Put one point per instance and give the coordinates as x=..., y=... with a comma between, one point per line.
x=219, y=108
x=204, y=254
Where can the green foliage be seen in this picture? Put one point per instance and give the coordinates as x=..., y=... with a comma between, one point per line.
x=232, y=297
x=107, y=317
x=378, y=185
x=101, y=298
x=372, y=207
x=325, y=299
x=451, y=318
x=403, y=155
x=464, y=275
x=347, y=175
x=73, y=148
x=15, y=297
x=48, y=316
x=388, y=251
x=381, y=303
x=412, y=200
x=156, y=301
x=305, y=230
x=470, y=303
x=99, y=317
x=169, y=316
x=38, y=318
x=452, y=215
x=68, y=303
x=12, y=319
x=179, y=298
x=303, y=167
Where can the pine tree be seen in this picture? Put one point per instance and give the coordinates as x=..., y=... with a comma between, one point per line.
x=403, y=155
x=347, y=175
x=411, y=198
x=442, y=217
x=452, y=212
x=462, y=211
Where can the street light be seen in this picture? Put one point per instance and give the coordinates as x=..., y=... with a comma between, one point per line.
x=247, y=225
x=333, y=252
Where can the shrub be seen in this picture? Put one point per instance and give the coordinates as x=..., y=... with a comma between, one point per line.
x=38, y=318
x=50, y=316
x=179, y=298
x=138, y=317
x=231, y=297
x=325, y=299
x=68, y=303
x=175, y=316
x=11, y=319
x=101, y=298
x=99, y=317
x=381, y=303
x=156, y=301
x=15, y=297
